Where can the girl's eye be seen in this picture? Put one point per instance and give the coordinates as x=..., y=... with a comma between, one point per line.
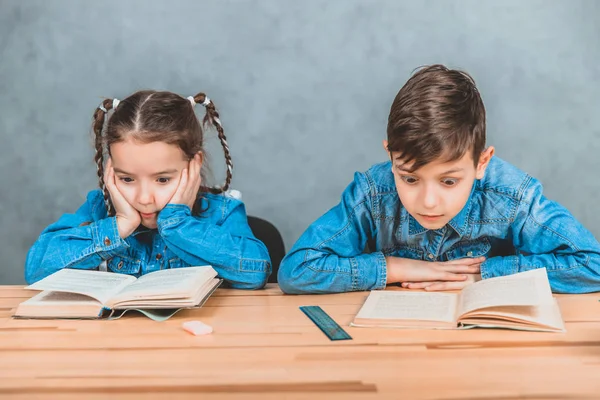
x=164, y=180
x=411, y=180
x=450, y=182
x=126, y=179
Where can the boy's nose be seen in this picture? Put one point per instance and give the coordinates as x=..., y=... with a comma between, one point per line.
x=429, y=199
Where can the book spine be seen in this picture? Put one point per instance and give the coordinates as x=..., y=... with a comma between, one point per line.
x=105, y=313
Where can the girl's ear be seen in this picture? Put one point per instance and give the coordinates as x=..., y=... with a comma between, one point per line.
x=484, y=160
x=200, y=157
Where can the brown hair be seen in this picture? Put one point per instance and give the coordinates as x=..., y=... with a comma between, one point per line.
x=437, y=113
x=149, y=116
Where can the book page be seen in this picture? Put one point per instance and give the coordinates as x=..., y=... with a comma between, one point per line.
x=544, y=316
x=401, y=305
x=49, y=304
x=49, y=298
x=201, y=295
x=96, y=284
x=530, y=288
x=166, y=284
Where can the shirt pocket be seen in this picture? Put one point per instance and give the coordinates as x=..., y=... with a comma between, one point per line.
x=412, y=253
x=124, y=265
x=471, y=249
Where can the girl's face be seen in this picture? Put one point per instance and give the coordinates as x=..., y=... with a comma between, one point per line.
x=147, y=175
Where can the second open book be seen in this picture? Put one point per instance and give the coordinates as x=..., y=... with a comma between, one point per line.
x=521, y=301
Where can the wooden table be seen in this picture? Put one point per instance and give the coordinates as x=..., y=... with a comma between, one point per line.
x=264, y=347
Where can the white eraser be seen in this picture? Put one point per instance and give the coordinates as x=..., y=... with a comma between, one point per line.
x=197, y=328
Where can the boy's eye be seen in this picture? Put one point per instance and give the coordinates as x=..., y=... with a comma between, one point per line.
x=450, y=182
x=163, y=180
x=126, y=179
x=411, y=180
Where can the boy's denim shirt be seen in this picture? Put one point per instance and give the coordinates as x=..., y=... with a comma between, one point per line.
x=506, y=219
x=220, y=237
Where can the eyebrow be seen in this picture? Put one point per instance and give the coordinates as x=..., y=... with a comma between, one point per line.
x=165, y=172
x=402, y=168
x=450, y=171
x=453, y=170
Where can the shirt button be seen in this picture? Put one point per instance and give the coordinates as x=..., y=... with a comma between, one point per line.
x=158, y=256
x=469, y=254
x=430, y=256
x=106, y=241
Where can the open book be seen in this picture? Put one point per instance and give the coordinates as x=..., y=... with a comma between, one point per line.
x=521, y=301
x=73, y=293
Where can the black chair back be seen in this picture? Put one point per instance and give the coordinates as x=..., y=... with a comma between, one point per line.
x=267, y=233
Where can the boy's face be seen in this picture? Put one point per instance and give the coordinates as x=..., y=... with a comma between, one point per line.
x=438, y=191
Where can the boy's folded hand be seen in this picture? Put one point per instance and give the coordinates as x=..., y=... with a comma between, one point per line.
x=410, y=271
x=437, y=285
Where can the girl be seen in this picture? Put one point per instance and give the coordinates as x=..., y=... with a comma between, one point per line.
x=152, y=211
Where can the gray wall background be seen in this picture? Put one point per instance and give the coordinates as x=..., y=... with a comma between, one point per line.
x=303, y=87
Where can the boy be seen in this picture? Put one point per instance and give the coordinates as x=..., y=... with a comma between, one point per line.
x=443, y=212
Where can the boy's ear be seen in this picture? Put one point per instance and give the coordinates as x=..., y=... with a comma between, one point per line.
x=484, y=160
x=385, y=147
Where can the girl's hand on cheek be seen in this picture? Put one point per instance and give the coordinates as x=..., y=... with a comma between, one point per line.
x=128, y=218
x=189, y=184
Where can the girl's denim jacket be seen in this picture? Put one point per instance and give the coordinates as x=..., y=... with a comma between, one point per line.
x=507, y=219
x=219, y=236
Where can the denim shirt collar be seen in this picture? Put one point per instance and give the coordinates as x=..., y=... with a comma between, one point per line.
x=141, y=229
x=458, y=223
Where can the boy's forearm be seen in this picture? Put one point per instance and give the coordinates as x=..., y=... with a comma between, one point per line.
x=546, y=234
x=567, y=273
x=305, y=271
x=393, y=269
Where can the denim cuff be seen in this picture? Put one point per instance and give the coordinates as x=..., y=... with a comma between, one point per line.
x=171, y=215
x=106, y=239
x=369, y=271
x=499, y=266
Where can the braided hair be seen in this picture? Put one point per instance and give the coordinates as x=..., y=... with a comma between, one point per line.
x=148, y=116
